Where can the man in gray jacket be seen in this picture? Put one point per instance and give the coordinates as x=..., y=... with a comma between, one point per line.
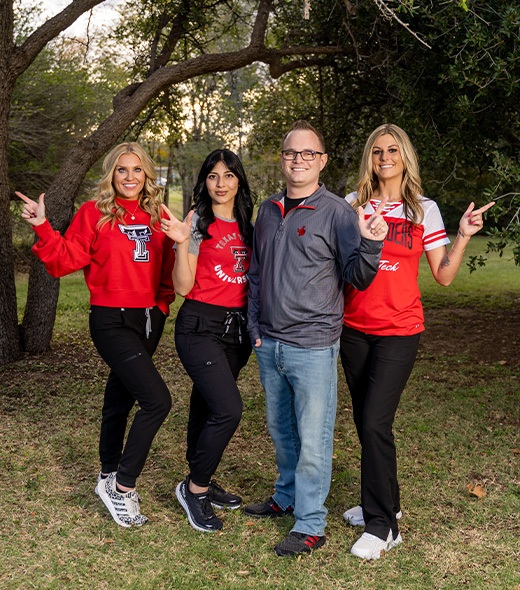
x=307, y=243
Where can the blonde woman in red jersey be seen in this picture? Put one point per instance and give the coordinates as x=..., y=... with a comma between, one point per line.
x=382, y=324
x=212, y=260
x=127, y=263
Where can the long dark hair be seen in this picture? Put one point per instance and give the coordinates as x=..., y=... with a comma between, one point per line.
x=243, y=207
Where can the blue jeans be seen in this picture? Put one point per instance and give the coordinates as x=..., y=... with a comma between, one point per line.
x=301, y=397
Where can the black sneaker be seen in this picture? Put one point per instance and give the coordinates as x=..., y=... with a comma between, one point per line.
x=267, y=509
x=297, y=543
x=198, y=509
x=222, y=499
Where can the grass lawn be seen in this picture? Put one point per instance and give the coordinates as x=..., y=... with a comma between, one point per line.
x=457, y=425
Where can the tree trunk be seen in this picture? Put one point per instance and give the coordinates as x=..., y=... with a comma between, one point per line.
x=40, y=310
x=9, y=338
x=187, y=192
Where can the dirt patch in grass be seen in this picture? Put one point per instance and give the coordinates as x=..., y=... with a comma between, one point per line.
x=486, y=337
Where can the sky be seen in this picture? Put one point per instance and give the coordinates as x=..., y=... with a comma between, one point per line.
x=102, y=14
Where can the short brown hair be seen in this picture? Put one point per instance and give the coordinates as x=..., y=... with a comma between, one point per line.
x=302, y=124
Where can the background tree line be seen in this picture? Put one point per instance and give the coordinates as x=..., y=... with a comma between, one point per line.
x=200, y=74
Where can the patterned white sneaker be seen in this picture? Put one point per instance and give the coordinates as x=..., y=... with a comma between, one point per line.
x=99, y=478
x=124, y=508
x=354, y=516
x=370, y=547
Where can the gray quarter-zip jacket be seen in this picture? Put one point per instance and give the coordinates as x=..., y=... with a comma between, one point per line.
x=299, y=266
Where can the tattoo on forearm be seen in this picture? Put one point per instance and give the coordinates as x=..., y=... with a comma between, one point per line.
x=445, y=261
x=461, y=233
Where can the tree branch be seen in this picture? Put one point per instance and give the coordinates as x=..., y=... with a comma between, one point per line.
x=277, y=68
x=390, y=14
x=24, y=55
x=260, y=26
x=175, y=34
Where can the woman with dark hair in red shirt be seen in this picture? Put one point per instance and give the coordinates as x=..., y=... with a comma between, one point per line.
x=212, y=260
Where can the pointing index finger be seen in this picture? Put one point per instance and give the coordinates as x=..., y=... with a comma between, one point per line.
x=381, y=206
x=485, y=207
x=23, y=197
x=167, y=211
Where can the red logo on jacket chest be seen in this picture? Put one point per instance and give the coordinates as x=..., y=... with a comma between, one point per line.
x=301, y=231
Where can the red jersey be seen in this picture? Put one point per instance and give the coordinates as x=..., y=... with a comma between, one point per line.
x=124, y=265
x=222, y=264
x=391, y=305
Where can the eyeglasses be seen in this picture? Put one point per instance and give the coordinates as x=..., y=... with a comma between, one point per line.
x=305, y=154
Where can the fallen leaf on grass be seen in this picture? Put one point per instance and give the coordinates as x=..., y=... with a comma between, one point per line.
x=251, y=523
x=243, y=573
x=476, y=490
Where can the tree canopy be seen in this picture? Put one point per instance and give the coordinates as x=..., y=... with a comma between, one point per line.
x=211, y=72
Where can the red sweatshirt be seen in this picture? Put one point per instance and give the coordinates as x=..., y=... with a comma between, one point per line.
x=124, y=265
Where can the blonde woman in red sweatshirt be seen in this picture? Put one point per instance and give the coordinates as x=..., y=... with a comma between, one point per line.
x=127, y=263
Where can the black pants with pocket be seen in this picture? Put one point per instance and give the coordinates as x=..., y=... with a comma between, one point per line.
x=213, y=345
x=377, y=369
x=126, y=340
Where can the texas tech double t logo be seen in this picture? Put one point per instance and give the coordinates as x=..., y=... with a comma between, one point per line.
x=140, y=234
x=239, y=254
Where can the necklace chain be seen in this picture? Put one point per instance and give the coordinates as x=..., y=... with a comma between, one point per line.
x=132, y=215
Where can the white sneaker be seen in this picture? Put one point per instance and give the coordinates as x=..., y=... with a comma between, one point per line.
x=370, y=547
x=99, y=478
x=124, y=508
x=354, y=516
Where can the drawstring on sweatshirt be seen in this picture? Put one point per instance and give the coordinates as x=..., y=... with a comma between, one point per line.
x=240, y=319
x=148, y=327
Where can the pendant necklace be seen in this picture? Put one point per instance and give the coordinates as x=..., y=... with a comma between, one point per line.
x=132, y=215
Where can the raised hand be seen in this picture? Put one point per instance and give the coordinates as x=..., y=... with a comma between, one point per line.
x=33, y=212
x=375, y=227
x=178, y=231
x=471, y=222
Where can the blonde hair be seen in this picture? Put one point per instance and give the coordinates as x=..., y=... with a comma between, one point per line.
x=150, y=197
x=411, y=187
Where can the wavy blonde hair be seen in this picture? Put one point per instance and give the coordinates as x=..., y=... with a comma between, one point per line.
x=411, y=188
x=150, y=197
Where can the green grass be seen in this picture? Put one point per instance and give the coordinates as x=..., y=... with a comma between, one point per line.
x=457, y=424
x=495, y=284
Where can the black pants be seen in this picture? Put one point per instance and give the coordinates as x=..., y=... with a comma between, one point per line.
x=213, y=345
x=377, y=369
x=126, y=340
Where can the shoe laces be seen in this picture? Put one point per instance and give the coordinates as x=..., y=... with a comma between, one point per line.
x=206, y=507
x=132, y=503
x=213, y=484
